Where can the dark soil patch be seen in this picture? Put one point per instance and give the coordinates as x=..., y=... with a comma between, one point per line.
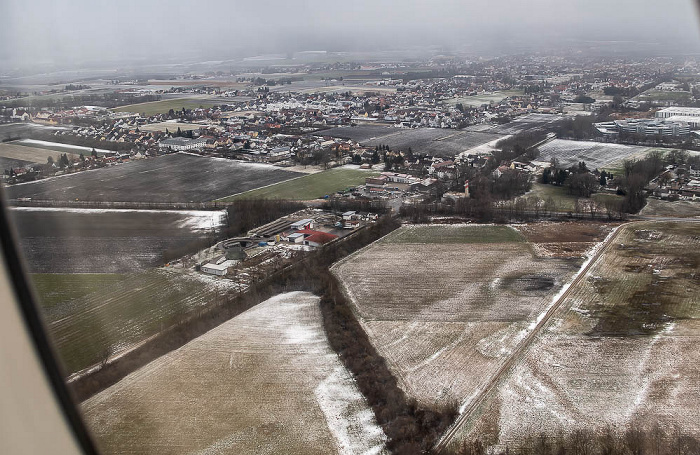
x=528, y=283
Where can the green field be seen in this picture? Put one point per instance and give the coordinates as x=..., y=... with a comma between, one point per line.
x=563, y=200
x=162, y=107
x=454, y=234
x=91, y=316
x=53, y=289
x=310, y=186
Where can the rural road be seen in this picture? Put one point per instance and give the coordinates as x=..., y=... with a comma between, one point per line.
x=517, y=354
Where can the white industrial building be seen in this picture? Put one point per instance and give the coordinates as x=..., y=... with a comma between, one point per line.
x=686, y=113
x=646, y=127
x=218, y=267
x=181, y=144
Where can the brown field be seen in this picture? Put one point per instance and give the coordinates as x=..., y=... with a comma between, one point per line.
x=266, y=381
x=562, y=240
x=574, y=231
x=621, y=349
x=444, y=314
x=31, y=154
x=679, y=209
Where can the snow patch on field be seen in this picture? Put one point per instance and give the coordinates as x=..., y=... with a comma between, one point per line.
x=59, y=144
x=265, y=381
x=195, y=219
x=354, y=429
x=244, y=164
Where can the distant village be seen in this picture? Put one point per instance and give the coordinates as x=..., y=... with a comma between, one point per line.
x=267, y=123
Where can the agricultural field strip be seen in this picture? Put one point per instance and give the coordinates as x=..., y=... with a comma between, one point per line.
x=596, y=154
x=122, y=316
x=262, y=188
x=506, y=367
x=58, y=240
x=430, y=345
x=579, y=377
x=279, y=388
x=180, y=177
x=433, y=140
x=17, y=151
x=309, y=186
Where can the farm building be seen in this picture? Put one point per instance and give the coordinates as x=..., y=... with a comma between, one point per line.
x=307, y=223
x=314, y=238
x=216, y=269
x=297, y=237
x=351, y=224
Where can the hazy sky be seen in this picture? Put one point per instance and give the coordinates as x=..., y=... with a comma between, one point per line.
x=35, y=31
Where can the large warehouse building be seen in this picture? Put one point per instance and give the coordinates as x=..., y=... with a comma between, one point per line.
x=646, y=127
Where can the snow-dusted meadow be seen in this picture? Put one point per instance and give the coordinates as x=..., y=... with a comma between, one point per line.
x=446, y=312
x=595, y=154
x=621, y=349
x=266, y=381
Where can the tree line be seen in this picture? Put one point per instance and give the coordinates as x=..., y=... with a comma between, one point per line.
x=633, y=439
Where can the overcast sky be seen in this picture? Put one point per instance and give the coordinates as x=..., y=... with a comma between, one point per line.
x=94, y=30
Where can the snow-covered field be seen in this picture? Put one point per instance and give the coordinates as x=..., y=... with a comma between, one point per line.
x=445, y=314
x=264, y=382
x=595, y=154
x=622, y=348
x=60, y=146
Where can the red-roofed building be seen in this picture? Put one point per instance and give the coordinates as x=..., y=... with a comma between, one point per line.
x=316, y=238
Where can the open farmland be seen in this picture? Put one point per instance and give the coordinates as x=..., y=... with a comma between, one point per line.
x=118, y=316
x=620, y=350
x=24, y=129
x=596, y=154
x=485, y=98
x=564, y=201
x=7, y=163
x=170, y=126
x=680, y=209
x=311, y=186
x=524, y=123
x=265, y=381
x=105, y=241
x=446, y=305
x=54, y=289
x=69, y=149
x=436, y=141
x=570, y=239
x=171, y=178
x=162, y=107
x=653, y=95
x=17, y=151
x=361, y=133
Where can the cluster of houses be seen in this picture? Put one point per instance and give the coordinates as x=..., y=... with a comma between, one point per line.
x=394, y=184
x=676, y=183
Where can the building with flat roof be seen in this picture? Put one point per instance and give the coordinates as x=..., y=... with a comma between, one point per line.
x=678, y=112
x=180, y=144
x=645, y=127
